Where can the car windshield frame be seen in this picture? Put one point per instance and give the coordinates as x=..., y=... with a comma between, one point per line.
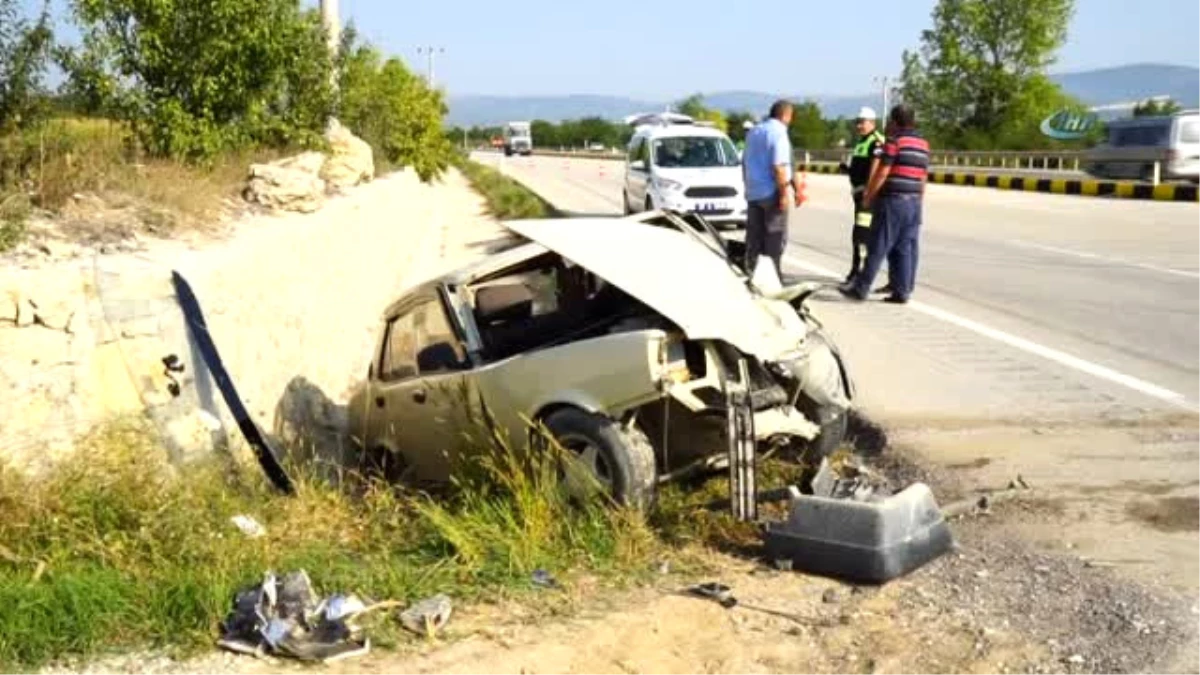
x=722, y=146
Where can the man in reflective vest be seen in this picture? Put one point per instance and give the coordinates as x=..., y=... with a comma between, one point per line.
x=866, y=151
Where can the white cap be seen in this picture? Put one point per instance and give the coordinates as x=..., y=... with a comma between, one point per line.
x=866, y=113
x=747, y=124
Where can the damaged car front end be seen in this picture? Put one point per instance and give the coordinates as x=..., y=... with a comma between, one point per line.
x=623, y=336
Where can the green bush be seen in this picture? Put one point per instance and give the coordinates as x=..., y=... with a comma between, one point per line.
x=198, y=78
x=391, y=109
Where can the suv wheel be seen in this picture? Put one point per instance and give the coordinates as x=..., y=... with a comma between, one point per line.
x=625, y=203
x=621, y=459
x=649, y=204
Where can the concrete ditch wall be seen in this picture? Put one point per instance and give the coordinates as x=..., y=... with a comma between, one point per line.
x=292, y=301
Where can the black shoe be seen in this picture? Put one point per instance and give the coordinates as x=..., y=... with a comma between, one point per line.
x=885, y=289
x=896, y=299
x=850, y=293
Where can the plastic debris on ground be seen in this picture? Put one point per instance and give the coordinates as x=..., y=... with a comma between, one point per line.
x=427, y=617
x=283, y=617
x=849, y=478
x=249, y=526
x=543, y=579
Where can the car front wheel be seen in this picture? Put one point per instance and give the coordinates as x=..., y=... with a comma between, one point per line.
x=620, y=459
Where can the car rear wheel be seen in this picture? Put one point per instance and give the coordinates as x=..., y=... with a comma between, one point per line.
x=625, y=203
x=619, y=458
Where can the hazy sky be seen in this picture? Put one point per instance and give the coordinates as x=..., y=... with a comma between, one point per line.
x=668, y=48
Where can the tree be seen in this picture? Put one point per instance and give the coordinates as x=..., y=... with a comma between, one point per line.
x=808, y=131
x=24, y=56
x=692, y=106
x=1153, y=107
x=979, y=75
x=391, y=109
x=197, y=78
x=735, y=125
x=545, y=134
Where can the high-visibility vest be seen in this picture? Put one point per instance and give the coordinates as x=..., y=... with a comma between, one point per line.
x=863, y=147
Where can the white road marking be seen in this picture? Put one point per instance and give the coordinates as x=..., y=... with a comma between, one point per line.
x=1029, y=346
x=1105, y=259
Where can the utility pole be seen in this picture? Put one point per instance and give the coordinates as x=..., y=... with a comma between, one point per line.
x=429, y=53
x=332, y=23
x=883, y=79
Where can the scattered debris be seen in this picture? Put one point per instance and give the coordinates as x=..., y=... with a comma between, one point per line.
x=427, y=617
x=849, y=478
x=281, y=617
x=1075, y=659
x=715, y=591
x=249, y=526
x=543, y=579
x=783, y=564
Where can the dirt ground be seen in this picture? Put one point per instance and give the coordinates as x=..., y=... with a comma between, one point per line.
x=1010, y=598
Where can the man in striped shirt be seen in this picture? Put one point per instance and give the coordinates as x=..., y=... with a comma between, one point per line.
x=894, y=196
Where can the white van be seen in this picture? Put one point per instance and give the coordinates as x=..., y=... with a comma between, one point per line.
x=1134, y=145
x=675, y=163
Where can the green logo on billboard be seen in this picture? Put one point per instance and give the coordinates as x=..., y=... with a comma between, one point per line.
x=1066, y=125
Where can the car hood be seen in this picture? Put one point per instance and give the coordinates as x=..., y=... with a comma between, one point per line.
x=718, y=175
x=677, y=276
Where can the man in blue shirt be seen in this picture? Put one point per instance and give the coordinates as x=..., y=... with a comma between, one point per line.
x=767, y=170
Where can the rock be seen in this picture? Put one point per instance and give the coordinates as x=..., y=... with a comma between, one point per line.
x=350, y=161
x=829, y=596
x=291, y=184
x=1075, y=659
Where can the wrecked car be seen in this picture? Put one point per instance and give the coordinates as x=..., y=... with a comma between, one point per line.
x=621, y=335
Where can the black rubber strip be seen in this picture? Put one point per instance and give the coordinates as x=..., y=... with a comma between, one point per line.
x=1186, y=193
x=1106, y=188
x=194, y=317
x=1043, y=185
x=1143, y=192
x=992, y=181
x=1017, y=183
x=1074, y=187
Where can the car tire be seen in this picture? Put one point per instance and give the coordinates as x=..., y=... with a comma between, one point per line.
x=623, y=453
x=625, y=203
x=834, y=425
x=649, y=204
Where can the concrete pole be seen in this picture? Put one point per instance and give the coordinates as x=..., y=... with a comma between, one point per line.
x=332, y=23
x=429, y=56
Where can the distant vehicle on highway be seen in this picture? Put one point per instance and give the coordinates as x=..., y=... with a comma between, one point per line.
x=1134, y=145
x=518, y=139
x=676, y=163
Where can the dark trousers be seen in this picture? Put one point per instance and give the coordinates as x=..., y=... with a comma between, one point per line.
x=766, y=233
x=895, y=230
x=860, y=237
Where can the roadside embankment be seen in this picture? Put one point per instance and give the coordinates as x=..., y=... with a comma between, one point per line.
x=292, y=301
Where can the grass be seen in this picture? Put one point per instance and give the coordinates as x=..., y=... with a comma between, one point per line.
x=51, y=164
x=124, y=552
x=506, y=198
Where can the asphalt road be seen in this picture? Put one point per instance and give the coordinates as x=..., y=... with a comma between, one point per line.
x=1028, y=305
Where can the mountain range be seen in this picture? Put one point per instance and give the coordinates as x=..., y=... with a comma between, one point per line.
x=1104, y=86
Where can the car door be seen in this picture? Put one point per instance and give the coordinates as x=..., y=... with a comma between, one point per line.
x=637, y=174
x=413, y=414
x=445, y=400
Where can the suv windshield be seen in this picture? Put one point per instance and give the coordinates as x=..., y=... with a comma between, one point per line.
x=694, y=152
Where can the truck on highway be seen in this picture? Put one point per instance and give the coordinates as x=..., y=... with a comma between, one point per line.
x=518, y=139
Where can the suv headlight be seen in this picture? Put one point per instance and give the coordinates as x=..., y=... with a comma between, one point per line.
x=667, y=184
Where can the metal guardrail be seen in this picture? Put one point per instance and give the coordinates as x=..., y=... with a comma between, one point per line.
x=1046, y=161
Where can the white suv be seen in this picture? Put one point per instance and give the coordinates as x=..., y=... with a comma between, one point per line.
x=678, y=164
